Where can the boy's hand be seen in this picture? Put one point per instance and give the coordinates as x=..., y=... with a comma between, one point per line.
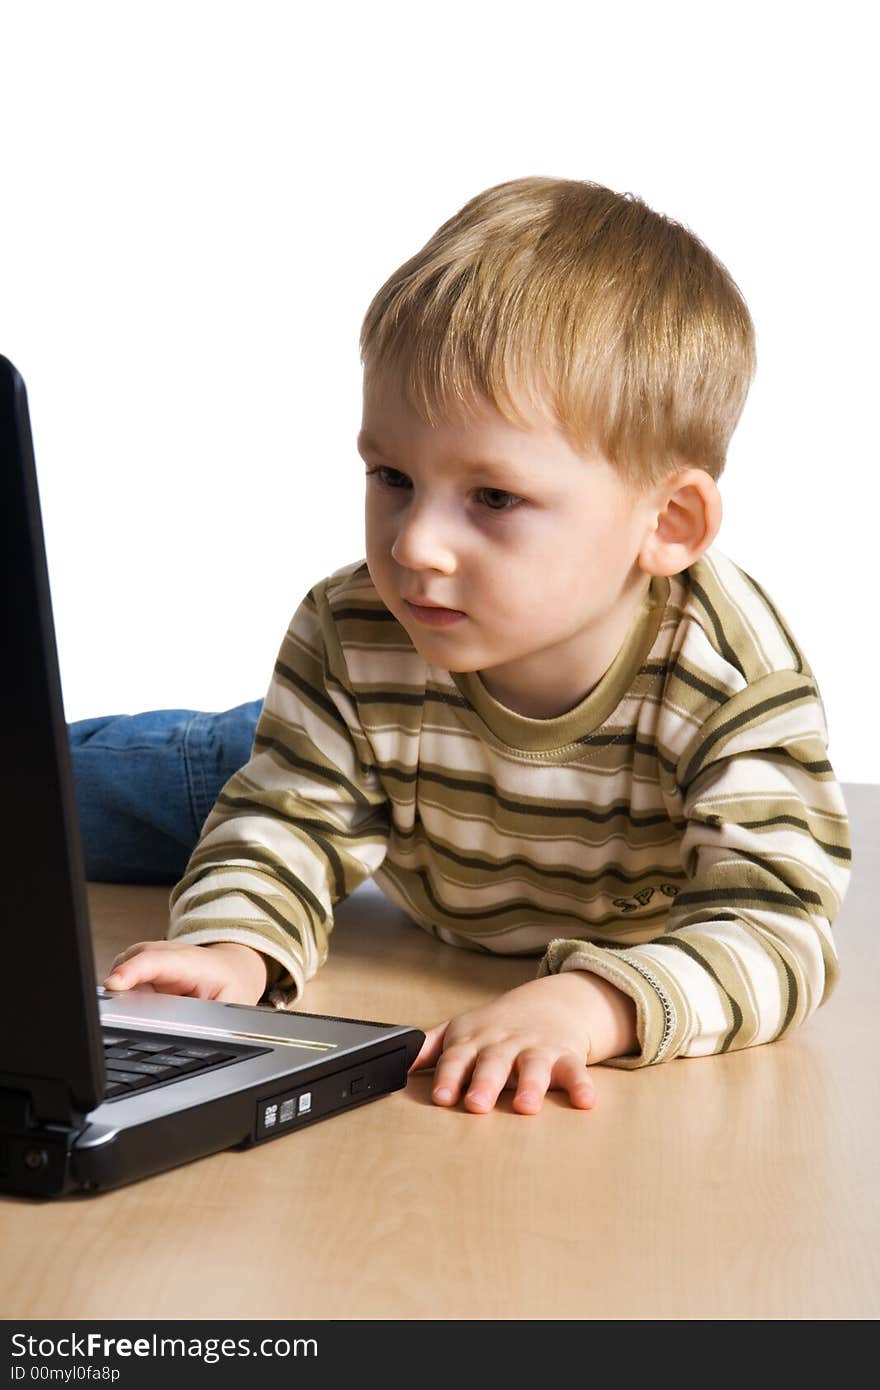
x=537, y=1036
x=224, y=970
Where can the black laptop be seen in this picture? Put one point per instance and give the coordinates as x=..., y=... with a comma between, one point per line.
x=97, y=1089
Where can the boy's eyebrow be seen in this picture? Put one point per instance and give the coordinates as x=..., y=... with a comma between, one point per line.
x=366, y=441
x=507, y=470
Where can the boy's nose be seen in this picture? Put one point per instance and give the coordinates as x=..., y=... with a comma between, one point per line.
x=422, y=543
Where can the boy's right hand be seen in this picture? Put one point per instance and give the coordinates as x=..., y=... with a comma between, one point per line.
x=224, y=970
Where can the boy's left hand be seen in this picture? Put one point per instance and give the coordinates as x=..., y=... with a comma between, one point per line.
x=537, y=1036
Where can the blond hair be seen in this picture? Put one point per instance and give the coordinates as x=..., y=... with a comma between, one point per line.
x=587, y=301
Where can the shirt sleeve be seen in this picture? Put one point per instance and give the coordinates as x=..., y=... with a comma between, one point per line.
x=296, y=829
x=747, y=953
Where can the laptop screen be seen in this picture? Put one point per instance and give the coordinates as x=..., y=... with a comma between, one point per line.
x=49, y=1036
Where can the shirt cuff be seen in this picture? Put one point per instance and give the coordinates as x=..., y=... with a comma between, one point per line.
x=659, y=1017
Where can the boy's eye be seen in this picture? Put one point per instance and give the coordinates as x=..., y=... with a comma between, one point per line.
x=499, y=501
x=496, y=499
x=388, y=476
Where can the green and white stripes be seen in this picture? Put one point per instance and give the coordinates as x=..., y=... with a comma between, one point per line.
x=680, y=832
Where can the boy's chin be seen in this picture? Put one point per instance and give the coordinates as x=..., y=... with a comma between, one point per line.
x=439, y=654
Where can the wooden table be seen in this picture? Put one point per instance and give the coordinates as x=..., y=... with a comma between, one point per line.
x=743, y=1186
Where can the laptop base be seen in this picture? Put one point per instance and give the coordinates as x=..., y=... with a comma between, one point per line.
x=54, y=1160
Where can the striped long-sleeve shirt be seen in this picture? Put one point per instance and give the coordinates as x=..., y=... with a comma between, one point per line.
x=680, y=832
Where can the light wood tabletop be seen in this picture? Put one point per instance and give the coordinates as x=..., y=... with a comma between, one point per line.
x=736, y=1187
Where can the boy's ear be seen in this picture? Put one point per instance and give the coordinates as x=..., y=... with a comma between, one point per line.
x=685, y=517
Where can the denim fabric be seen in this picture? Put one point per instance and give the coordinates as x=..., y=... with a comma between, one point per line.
x=145, y=784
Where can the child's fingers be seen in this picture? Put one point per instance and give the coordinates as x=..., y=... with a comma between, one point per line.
x=140, y=946
x=172, y=972
x=489, y=1077
x=570, y=1074
x=453, y=1070
x=533, y=1073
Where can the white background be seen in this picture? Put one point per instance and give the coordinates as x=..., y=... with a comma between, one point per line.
x=199, y=200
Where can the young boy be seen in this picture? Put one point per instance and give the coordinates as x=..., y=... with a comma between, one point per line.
x=545, y=713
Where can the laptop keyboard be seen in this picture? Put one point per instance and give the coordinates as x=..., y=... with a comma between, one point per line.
x=134, y=1061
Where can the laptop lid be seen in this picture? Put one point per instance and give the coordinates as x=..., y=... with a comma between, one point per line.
x=50, y=1042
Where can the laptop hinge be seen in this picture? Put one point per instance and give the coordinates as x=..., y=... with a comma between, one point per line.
x=40, y=1102
x=38, y=1134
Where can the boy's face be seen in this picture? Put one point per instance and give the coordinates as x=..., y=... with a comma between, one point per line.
x=534, y=546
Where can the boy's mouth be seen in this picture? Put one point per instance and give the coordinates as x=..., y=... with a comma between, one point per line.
x=432, y=615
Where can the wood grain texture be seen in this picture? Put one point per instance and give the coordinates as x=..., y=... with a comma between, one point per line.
x=732, y=1187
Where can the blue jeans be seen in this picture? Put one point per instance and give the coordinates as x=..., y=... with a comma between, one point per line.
x=145, y=784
